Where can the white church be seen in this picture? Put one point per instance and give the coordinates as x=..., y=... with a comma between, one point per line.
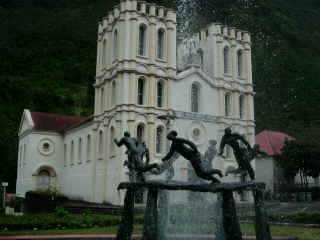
x=146, y=84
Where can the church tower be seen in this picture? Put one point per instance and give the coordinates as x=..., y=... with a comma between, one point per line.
x=136, y=62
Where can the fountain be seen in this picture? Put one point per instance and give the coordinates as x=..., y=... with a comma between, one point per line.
x=195, y=209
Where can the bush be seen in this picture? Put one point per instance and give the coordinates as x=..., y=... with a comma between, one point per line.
x=56, y=221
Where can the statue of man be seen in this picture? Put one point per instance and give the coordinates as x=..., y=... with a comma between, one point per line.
x=189, y=151
x=136, y=152
x=233, y=140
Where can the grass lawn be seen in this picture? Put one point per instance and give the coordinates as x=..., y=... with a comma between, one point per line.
x=247, y=229
x=285, y=231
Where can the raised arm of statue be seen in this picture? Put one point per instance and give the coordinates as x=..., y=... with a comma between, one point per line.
x=119, y=143
x=170, y=153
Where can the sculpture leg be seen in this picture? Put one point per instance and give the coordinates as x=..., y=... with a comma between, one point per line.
x=126, y=225
x=261, y=223
x=230, y=220
x=150, y=230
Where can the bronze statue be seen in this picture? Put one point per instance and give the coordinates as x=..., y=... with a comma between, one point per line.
x=243, y=155
x=189, y=151
x=136, y=152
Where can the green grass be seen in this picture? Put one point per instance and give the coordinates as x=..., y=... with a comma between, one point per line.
x=247, y=229
x=286, y=231
x=98, y=230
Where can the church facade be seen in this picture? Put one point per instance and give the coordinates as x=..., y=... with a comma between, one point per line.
x=146, y=84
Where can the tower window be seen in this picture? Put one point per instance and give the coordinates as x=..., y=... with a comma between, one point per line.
x=227, y=102
x=140, y=133
x=240, y=63
x=102, y=100
x=112, y=137
x=241, y=107
x=161, y=41
x=226, y=60
x=141, y=91
x=104, y=53
x=160, y=93
x=114, y=94
x=100, y=150
x=195, y=97
x=65, y=154
x=142, y=40
x=160, y=140
x=116, y=45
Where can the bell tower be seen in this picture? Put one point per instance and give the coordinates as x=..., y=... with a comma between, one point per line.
x=136, y=62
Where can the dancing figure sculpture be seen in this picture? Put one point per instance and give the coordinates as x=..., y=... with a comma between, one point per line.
x=242, y=155
x=136, y=152
x=189, y=151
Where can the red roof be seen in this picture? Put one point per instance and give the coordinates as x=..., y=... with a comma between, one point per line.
x=55, y=123
x=272, y=142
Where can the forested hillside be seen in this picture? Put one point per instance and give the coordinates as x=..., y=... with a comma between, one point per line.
x=48, y=48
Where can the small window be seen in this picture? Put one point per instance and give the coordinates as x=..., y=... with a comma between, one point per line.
x=88, y=148
x=72, y=153
x=241, y=107
x=227, y=104
x=160, y=140
x=141, y=91
x=160, y=94
x=80, y=151
x=161, y=43
x=142, y=40
x=195, y=97
x=65, y=155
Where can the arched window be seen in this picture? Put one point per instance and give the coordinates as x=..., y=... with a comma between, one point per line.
x=100, y=146
x=116, y=45
x=102, y=100
x=142, y=39
x=241, y=107
x=160, y=140
x=160, y=93
x=72, y=153
x=226, y=60
x=195, y=97
x=240, y=63
x=104, y=53
x=161, y=43
x=140, y=133
x=141, y=91
x=111, y=142
x=88, y=148
x=113, y=94
x=227, y=104
x=65, y=154
x=80, y=151
x=43, y=182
